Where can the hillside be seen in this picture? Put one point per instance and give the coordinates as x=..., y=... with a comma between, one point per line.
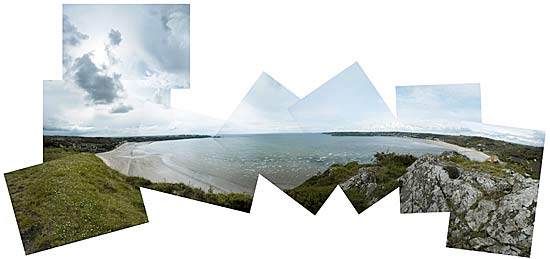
x=77, y=196
x=70, y=199
x=492, y=206
x=363, y=184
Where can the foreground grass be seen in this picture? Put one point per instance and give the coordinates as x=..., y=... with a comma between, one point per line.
x=75, y=196
x=71, y=198
x=237, y=201
x=386, y=169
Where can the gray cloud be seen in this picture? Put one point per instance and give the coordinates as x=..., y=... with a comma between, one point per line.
x=53, y=128
x=101, y=88
x=67, y=59
x=56, y=126
x=115, y=37
x=155, y=45
x=71, y=35
x=122, y=108
x=171, y=15
x=167, y=39
x=162, y=96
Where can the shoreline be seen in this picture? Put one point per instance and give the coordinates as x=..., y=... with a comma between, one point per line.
x=130, y=160
x=472, y=154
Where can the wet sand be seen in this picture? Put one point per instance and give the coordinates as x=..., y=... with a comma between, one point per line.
x=130, y=159
x=135, y=159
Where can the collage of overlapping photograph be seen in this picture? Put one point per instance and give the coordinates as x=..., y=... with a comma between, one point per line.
x=109, y=129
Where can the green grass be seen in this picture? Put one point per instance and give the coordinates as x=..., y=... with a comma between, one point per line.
x=53, y=153
x=74, y=196
x=497, y=169
x=71, y=198
x=315, y=191
x=237, y=201
x=387, y=168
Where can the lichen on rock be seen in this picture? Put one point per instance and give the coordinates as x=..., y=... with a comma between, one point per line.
x=492, y=212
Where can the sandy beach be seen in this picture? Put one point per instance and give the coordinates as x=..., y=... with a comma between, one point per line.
x=472, y=154
x=132, y=160
x=137, y=159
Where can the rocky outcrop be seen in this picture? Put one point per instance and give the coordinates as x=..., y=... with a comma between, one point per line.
x=489, y=211
x=364, y=180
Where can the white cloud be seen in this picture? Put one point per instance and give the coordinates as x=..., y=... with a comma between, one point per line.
x=152, y=41
x=66, y=112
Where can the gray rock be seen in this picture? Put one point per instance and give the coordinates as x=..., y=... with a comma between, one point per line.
x=363, y=180
x=489, y=212
x=478, y=217
x=420, y=188
x=479, y=242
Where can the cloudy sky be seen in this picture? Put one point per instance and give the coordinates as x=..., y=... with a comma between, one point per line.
x=68, y=110
x=452, y=102
x=145, y=42
x=470, y=128
x=453, y=109
x=264, y=109
x=347, y=102
x=120, y=63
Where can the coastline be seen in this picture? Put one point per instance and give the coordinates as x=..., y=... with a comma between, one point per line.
x=129, y=159
x=134, y=159
x=472, y=154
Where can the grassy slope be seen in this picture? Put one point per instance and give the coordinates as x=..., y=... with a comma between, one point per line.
x=315, y=191
x=236, y=201
x=70, y=199
x=74, y=196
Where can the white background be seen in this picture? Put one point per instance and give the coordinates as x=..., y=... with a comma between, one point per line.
x=504, y=45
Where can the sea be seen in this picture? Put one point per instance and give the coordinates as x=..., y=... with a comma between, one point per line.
x=232, y=163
